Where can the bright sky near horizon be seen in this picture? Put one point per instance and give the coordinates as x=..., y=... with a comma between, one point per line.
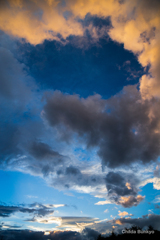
x=79, y=119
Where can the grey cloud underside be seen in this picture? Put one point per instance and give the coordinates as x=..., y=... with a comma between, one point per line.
x=35, y=209
x=71, y=177
x=146, y=220
x=124, y=128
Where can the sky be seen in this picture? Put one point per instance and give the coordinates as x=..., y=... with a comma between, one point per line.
x=79, y=119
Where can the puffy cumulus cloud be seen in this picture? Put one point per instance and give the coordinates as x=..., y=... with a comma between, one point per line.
x=156, y=183
x=130, y=201
x=124, y=128
x=36, y=209
x=116, y=184
x=119, y=193
x=154, y=180
x=123, y=213
x=37, y=20
x=134, y=23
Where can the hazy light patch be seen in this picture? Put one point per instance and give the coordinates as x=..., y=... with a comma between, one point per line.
x=105, y=211
x=103, y=202
x=157, y=199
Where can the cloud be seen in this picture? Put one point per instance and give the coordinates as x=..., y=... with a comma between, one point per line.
x=126, y=202
x=134, y=24
x=33, y=235
x=130, y=201
x=67, y=223
x=90, y=234
x=37, y=20
x=116, y=184
x=35, y=209
x=103, y=202
x=123, y=213
x=15, y=84
x=145, y=221
x=71, y=170
x=124, y=128
x=157, y=199
x=86, y=234
x=157, y=171
x=105, y=211
x=119, y=193
x=41, y=150
x=82, y=231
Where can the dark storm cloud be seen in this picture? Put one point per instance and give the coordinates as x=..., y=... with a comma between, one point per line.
x=90, y=234
x=45, y=157
x=13, y=78
x=125, y=128
x=41, y=151
x=86, y=234
x=117, y=183
x=71, y=170
x=122, y=189
x=31, y=235
x=36, y=209
x=145, y=221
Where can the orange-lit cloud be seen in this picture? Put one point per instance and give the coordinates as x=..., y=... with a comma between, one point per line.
x=128, y=185
x=118, y=222
x=122, y=214
x=36, y=20
x=131, y=200
x=136, y=24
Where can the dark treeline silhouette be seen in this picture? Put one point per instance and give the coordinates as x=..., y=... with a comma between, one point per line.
x=134, y=231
